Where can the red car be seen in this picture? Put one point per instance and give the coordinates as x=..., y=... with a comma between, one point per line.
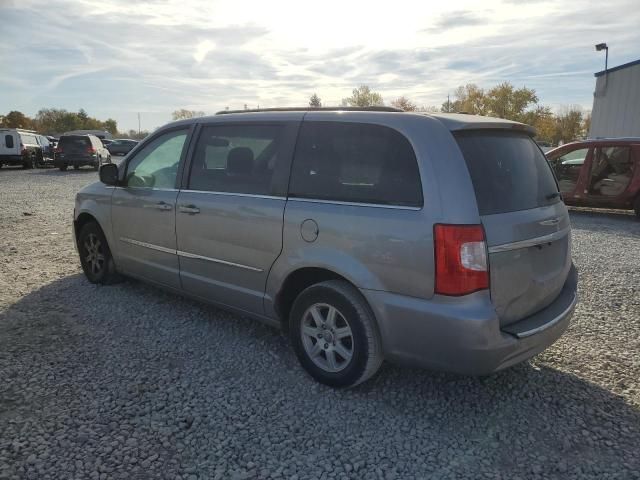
x=599, y=173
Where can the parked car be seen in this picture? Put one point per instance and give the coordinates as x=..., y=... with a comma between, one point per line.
x=599, y=173
x=79, y=150
x=367, y=235
x=544, y=146
x=20, y=147
x=121, y=146
x=106, y=142
x=47, y=150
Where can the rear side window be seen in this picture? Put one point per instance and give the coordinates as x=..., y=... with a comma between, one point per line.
x=237, y=159
x=355, y=162
x=8, y=141
x=508, y=171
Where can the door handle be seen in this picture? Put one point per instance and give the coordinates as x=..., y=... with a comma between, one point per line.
x=162, y=206
x=190, y=209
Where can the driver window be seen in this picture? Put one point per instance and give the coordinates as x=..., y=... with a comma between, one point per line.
x=567, y=169
x=156, y=165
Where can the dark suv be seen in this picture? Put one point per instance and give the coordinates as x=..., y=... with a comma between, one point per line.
x=599, y=173
x=79, y=150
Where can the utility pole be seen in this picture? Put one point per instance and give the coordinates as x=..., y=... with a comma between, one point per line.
x=138, y=123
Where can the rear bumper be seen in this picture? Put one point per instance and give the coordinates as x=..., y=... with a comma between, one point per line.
x=463, y=334
x=61, y=160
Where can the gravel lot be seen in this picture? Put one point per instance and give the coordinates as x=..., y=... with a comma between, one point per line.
x=131, y=382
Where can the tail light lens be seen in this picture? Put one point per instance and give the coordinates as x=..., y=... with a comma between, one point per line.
x=58, y=149
x=91, y=150
x=461, y=259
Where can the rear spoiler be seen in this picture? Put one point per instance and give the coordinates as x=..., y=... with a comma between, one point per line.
x=459, y=121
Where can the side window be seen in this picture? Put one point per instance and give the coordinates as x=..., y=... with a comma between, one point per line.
x=237, y=158
x=611, y=171
x=8, y=141
x=355, y=162
x=156, y=165
x=567, y=168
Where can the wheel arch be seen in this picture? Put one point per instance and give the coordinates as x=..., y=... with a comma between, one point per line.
x=81, y=221
x=297, y=281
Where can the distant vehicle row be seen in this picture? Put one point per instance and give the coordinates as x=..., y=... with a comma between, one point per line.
x=31, y=150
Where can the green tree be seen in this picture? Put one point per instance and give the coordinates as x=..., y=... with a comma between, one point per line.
x=403, y=103
x=314, y=101
x=184, y=113
x=16, y=119
x=111, y=126
x=505, y=101
x=363, y=96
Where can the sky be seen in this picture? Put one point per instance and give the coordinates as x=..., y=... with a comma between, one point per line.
x=118, y=58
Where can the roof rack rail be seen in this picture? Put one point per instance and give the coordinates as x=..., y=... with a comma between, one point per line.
x=314, y=109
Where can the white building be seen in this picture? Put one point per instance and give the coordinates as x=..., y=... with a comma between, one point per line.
x=616, y=102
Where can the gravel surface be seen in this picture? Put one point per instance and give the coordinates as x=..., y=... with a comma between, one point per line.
x=130, y=382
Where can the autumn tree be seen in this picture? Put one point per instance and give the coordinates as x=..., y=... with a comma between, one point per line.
x=586, y=124
x=505, y=101
x=403, y=103
x=569, y=124
x=16, y=119
x=184, y=113
x=314, y=101
x=363, y=96
x=468, y=99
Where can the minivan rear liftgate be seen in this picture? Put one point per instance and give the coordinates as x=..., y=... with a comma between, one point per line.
x=526, y=224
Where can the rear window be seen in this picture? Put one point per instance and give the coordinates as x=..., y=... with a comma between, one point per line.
x=508, y=171
x=8, y=141
x=74, y=141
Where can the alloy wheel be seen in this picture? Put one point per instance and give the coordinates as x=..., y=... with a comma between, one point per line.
x=94, y=253
x=327, y=337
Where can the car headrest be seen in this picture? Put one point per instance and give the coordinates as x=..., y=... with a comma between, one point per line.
x=240, y=161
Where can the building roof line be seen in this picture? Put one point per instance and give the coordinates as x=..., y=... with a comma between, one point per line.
x=619, y=67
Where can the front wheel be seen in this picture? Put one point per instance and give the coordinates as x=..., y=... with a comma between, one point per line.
x=95, y=255
x=334, y=334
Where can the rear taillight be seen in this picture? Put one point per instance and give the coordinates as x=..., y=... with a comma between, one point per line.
x=22, y=149
x=58, y=149
x=91, y=150
x=461, y=259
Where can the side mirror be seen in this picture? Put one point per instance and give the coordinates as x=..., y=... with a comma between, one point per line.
x=109, y=174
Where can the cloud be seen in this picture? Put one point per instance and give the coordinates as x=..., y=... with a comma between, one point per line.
x=120, y=57
x=459, y=18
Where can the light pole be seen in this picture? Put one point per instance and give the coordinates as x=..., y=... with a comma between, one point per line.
x=599, y=48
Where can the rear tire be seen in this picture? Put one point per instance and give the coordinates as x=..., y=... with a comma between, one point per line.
x=62, y=168
x=95, y=255
x=334, y=334
x=76, y=167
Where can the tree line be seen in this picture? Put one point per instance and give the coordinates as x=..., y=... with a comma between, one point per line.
x=503, y=101
x=55, y=121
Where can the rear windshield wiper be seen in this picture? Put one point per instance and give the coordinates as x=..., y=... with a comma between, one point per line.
x=553, y=195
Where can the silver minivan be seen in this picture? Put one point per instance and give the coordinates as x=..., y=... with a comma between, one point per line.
x=367, y=234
